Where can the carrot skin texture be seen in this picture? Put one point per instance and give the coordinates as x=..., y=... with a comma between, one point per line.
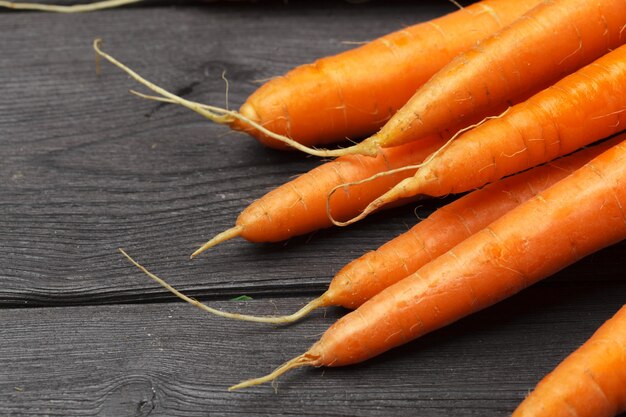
x=591, y=381
x=299, y=206
x=575, y=217
x=509, y=63
x=358, y=90
x=368, y=275
x=580, y=109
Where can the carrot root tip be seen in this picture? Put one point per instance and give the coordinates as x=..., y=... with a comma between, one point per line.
x=297, y=362
x=312, y=305
x=291, y=318
x=219, y=238
x=214, y=113
x=405, y=188
x=75, y=8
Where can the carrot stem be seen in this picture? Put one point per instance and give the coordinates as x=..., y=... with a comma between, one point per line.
x=297, y=362
x=217, y=239
x=75, y=8
x=312, y=305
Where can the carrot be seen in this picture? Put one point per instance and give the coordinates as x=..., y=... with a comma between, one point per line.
x=550, y=41
x=581, y=108
x=368, y=275
x=575, y=217
x=299, y=206
x=355, y=92
x=591, y=382
x=545, y=44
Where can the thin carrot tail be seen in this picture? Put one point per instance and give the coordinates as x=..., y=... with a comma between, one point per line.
x=312, y=305
x=75, y=8
x=408, y=187
x=229, y=117
x=210, y=112
x=297, y=362
x=215, y=114
x=397, y=192
x=367, y=149
x=217, y=239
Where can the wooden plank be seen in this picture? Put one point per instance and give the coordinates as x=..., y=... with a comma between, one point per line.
x=275, y=3
x=88, y=168
x=142, y=3
x=173, y=360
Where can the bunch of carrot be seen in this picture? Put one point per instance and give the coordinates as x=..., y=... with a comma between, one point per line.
x=540, y=80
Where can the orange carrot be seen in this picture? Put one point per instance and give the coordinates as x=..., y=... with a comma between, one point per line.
x=591, y=382
x=575, y=217
x=581, y=108
x=548, y=42
x=302, y=205
x=299, y=206
x=355, y=92
x=368, y=275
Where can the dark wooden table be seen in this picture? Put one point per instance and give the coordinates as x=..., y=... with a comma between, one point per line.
x=86, y=168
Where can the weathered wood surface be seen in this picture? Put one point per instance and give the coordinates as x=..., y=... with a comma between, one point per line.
x=90, y=168
x=171, y=360
x=87, y=168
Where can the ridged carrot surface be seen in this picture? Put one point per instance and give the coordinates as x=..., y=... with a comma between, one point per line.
x=550, y=41
x=583, y=107
x=371, y=273
x=575, y=217
x=354, y=93
x=299, y=206
x=368, y=275
x=591, y=382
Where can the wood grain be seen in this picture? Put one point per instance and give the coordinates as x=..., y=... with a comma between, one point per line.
x=172, y=360
x=87, y=168
x=253, y=3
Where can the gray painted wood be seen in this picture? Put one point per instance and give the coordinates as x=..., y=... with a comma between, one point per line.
x=173, y=360
x=243, y=3
x=87, y=168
